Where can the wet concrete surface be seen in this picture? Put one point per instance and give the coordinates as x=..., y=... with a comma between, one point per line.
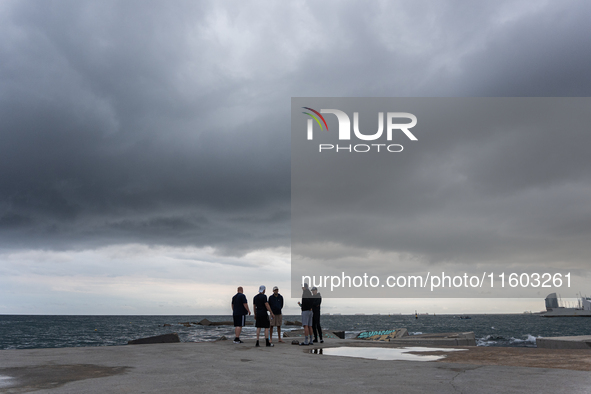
x=219, y=367
x=32, y=378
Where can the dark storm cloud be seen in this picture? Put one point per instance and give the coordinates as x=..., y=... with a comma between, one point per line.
x=109, y=135
x=540, y=55
x=491, y=184
x=167, y=123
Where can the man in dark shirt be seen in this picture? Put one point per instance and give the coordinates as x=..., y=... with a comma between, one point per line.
x=316, y=301
x=239, y=311
x=261, y=306
x=306, y=306
x=276, y=304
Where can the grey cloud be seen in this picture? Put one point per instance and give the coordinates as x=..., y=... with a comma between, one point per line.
x=167, y=123
x=500, y=183
x=103, y=127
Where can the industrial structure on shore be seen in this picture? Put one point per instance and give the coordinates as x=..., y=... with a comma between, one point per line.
x=554, y=309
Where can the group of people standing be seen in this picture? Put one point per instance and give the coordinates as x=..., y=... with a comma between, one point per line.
x=261, y=305
x=273, y=305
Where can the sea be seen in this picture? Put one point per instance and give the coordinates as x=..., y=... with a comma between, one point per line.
x=36, y=331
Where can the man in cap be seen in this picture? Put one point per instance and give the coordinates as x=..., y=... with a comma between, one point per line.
x=261, y=306
x=239, y=311
x=316, y=301
x=276, y=304
x=306, y=306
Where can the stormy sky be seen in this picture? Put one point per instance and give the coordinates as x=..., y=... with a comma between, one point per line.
x=145, y=149
x=491, y=185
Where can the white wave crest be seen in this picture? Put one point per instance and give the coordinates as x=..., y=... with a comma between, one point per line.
x=485, y=341
x=529, y=339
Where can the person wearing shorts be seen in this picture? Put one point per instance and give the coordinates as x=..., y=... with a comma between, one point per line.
x=276, y=304
x=307, y=315
x=239, y=311
x=261, y=306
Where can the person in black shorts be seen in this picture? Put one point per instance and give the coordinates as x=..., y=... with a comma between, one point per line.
x=239, y=311
x=261, y=306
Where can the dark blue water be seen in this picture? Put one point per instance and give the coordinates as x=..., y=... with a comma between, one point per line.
x=29, y=332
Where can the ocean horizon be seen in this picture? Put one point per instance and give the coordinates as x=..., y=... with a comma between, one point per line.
x=56, y=331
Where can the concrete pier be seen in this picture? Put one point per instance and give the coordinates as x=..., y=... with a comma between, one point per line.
x=574, y=342
x=220, y=367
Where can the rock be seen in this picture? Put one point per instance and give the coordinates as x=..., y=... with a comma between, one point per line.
x=165, y=338
x=340, y=334
x=222, y=323
x=293, y=333
x=205, y=322
x=401, y=332
x=222, y=338
x=166, y=325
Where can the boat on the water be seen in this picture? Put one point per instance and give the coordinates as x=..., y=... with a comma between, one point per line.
x=554, y=309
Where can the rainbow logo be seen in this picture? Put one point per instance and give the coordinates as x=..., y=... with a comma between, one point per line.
x=315, y=118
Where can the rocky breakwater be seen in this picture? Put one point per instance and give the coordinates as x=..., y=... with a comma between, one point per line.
x=165, y=338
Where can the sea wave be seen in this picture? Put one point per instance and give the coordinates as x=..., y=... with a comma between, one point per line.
x=489, y=340
x=530, y=339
